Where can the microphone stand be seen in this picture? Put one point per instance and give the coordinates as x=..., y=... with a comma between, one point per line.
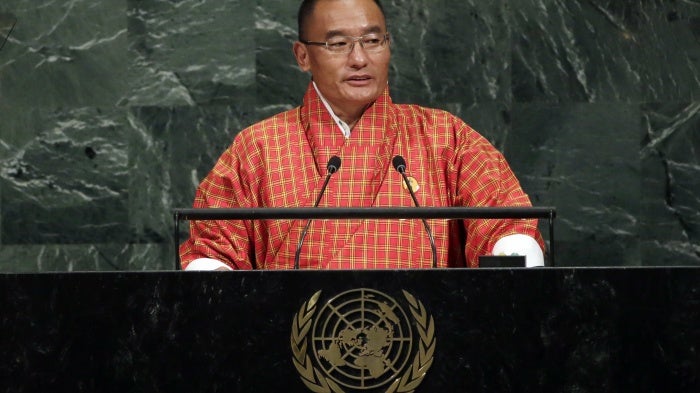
x=400, y=166
x=333, y=165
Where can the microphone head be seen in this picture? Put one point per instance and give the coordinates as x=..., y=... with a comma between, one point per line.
x=399, y=164
x=333, y=164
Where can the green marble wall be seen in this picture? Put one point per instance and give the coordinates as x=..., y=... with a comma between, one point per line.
x=112, y=111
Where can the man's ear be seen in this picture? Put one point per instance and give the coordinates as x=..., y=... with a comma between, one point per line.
x=301, y=53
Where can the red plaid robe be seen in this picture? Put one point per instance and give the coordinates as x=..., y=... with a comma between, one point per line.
x=281, y=162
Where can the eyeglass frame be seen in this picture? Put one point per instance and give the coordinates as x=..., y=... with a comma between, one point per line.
x=355, y=39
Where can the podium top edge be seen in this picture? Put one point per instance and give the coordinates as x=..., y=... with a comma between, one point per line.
x=263, y=213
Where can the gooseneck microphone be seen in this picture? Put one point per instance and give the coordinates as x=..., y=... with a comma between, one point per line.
x=332, y=167
x=400, y=166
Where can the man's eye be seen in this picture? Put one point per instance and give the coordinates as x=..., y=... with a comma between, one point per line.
x=338, y=44
x=372, y=41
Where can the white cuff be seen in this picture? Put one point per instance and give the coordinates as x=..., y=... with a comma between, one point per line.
x=206, y=264
x=519, y=244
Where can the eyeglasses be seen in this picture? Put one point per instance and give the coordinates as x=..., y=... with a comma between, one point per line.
x=345, y=44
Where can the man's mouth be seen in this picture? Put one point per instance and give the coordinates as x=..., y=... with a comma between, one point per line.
x=359, y=78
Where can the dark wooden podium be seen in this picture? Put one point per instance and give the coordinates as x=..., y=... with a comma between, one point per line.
x=494, y=330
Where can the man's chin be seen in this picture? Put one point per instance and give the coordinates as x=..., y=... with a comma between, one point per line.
x=365, y=95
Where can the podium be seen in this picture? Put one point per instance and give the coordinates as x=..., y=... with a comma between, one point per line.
x=470, y=330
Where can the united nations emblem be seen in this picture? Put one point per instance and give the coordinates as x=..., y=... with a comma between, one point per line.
x=362, y=340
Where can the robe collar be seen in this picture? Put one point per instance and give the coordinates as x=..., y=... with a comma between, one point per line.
x=376, y=127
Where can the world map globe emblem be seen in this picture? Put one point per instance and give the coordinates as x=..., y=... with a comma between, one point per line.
x=362, y=339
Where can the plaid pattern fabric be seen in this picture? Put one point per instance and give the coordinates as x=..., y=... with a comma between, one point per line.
x=281, y=162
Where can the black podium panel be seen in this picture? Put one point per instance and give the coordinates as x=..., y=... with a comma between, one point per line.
x=495, y=330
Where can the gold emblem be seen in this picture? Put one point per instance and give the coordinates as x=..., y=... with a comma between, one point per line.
x=362, y=340
x=414, y=184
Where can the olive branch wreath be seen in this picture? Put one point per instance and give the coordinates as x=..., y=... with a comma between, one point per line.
x=318, y=383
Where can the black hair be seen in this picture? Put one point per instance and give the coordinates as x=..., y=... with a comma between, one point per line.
x=306, y=9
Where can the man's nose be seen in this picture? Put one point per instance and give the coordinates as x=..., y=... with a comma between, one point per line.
x=358, y=56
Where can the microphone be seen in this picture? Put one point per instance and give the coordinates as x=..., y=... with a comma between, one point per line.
x=400, y=166
x=332, y=167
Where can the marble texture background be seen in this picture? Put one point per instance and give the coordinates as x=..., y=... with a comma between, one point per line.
x=111, y=112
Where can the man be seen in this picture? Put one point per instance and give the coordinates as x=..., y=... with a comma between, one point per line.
x=347, y=112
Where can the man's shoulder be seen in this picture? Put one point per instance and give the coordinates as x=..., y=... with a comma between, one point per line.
x=285, y=119
x=423, y=113
x=443, y=126
x=426, y=117
x=274, y=126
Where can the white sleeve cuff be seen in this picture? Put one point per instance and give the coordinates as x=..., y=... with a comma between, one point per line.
x=206, y=264
x=519, y=244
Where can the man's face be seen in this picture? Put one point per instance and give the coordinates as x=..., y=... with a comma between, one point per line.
x=347, y=81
